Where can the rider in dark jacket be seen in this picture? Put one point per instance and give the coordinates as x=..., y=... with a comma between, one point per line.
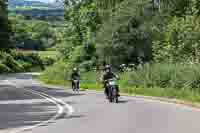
x=75, y=76
x=106, y=76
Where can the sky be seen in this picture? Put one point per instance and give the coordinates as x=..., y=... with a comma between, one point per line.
x=44, y=0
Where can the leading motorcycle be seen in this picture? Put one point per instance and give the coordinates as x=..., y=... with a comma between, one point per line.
x=112, y=90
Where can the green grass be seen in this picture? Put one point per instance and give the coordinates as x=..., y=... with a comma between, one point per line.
x=52, y=54
x=44, y=54
x=181, y=94
x=171, y=93
x=159, y=80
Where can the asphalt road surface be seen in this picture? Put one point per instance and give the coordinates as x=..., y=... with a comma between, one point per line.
x=20, y=109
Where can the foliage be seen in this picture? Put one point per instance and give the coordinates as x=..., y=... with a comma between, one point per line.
x=5, y=27
x=17, y=61
x=38, y=35
x=180, y=41
x=165, y=34
x=4, y=68
x=161, y=80
x=10, y=62
x=58, y=72
x=28, y=57
x=83, y=21
x=166, y=75
x=126, y=35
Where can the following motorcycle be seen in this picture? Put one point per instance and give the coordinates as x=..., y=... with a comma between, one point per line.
x=76, y=85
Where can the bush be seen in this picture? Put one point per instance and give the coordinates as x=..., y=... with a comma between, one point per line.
x=59, y=71
x=4, y=68
x=87, y=65
x=180, y=40
x=17, y=61
x=26, y=66
x=47, y=61
x=10, y=62
x=31, y=59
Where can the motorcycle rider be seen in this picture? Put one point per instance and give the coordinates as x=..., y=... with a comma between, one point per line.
x=75, y=76
x=108, y=74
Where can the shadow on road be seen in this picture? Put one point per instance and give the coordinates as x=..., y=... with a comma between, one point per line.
x=11, y=93
x=19, y=115
x=23, y=115
x=16, y=112
x=71, y=117
x=123, y=101
x=58, y=93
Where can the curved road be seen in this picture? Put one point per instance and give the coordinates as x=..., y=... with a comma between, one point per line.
x=92, y=113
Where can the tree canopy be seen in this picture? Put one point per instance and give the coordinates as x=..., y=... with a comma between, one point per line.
x=5, y=27
x=127, y=31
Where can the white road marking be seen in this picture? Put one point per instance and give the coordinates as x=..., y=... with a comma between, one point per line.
x=61, y=105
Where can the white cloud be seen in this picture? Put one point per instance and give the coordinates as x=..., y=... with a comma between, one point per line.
x=43, y=0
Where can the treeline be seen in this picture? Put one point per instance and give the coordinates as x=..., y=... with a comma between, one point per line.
x=17, y=33
x=41, y=14
x=5, y=27
x=160, y=36
x=32, y=34
x=128, y=31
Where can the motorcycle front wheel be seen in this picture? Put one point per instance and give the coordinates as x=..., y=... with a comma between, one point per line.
x=116, y=100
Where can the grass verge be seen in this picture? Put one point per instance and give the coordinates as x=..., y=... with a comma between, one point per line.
x=157, y=80
x=171, y=93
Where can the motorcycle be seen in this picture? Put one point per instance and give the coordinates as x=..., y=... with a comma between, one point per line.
x=76, y=85
x=112, y=90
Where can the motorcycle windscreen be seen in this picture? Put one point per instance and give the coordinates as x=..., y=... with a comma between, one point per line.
x=112, y=83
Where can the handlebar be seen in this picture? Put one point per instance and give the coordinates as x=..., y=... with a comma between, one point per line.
x=111, y=79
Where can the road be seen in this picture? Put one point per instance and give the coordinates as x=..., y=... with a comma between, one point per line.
x=20, y=109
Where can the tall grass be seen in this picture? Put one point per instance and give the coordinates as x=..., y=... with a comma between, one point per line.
x=181, y=81
x=60, y=73
x=178, y=76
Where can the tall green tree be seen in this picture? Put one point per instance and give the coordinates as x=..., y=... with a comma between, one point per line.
x=180, y=39
x=82, y=22
x=5, y=28
x=126, y=34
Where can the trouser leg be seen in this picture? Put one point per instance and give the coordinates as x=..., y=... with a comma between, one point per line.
x=105, y=90
x=72, y=84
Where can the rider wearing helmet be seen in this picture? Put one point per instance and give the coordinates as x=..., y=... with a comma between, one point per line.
x=74, y=76
x=108, y=74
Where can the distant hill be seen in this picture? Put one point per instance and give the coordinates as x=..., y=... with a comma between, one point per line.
x=15, y=4
x=36, y=9
x=40, y=13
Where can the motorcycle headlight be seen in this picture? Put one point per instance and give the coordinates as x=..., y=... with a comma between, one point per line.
x=112, y=83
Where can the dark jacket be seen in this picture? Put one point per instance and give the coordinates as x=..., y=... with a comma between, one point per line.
x=75, y=75
x=108, y=75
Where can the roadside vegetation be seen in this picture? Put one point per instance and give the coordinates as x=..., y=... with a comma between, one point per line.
x=159, y=80
x=158, y=41
x=20, y=41
x=161, y=40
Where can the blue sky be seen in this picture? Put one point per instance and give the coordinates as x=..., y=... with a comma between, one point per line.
x=44, y=0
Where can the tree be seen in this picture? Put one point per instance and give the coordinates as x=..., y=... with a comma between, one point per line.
x=124, y=36
x=5, y=27
x=37, y=35
x=82, y=23
x=180, y=42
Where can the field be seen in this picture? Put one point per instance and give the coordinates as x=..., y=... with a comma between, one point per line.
x=44, y=54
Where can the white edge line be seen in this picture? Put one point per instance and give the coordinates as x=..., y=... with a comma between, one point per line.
x=57, y=102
